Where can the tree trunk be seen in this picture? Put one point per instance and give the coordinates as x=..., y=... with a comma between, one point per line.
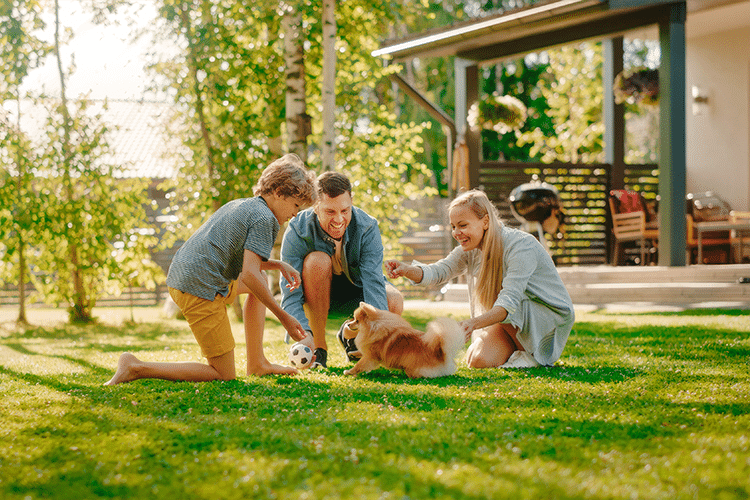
x=21, y=169
x=329, y=85
x=21, y=281
x=80, y=311
x=192, y=61
x=297, y=119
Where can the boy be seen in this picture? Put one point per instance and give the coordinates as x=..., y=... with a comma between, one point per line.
x=223, y=258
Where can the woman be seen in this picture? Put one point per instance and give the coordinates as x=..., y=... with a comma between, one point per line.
x=520, y=309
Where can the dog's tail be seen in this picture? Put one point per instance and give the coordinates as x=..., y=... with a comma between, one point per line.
x=451, y=334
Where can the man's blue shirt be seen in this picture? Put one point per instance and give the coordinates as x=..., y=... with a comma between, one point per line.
x=361, y=257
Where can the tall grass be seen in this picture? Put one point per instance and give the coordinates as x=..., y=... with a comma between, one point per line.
x=639, y=406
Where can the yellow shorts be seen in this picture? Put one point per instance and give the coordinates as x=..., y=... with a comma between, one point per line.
x=208, y=320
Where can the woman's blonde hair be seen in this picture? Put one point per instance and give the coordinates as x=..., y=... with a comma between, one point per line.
x=490, y=280
x=288, y=176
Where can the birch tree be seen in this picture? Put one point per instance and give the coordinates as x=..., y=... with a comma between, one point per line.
x=244, y=67
x=297, y=119
x=328, y=154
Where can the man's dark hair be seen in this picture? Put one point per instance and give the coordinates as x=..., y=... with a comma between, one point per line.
x=333, y=184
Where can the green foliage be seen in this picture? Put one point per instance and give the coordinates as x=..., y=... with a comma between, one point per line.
x=92, y=214
x=642, y=122
x=377, y=150
x=232, y=69
x=523, y=79
x=574, y=96
x=229, y=87
x=22, y=51
x=19, y=211
x=22, y=214
x=640, y=406
x=83, y=232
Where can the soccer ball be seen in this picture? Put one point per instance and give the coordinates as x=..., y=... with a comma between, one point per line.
x=300, y=356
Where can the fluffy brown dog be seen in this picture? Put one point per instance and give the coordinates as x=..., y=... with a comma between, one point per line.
x=387, y=339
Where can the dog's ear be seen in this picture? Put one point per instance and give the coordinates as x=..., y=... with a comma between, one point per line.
x=367, y=308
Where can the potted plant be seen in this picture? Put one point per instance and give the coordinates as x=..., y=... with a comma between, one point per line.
x=637, y=86
x=499, y=113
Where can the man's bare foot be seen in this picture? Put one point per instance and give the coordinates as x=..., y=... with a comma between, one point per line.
x=267, y=368
x=125, y=372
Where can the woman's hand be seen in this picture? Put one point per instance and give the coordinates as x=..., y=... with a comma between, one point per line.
x=396, y=269
x=468, y=326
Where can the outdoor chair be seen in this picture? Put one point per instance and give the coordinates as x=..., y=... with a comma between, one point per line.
x=631, y=224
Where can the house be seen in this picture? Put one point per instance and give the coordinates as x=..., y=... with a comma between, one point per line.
x=704, y=91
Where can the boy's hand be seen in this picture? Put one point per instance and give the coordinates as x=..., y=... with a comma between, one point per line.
x=294, y=280
x=293, y=327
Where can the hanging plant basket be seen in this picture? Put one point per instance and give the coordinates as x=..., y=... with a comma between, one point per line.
x=637, y=86
x=502, y=114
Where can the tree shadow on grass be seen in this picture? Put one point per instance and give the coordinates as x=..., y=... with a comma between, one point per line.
x=586, y=374
x=144, y=331
x=21, y=349
x=385, y=376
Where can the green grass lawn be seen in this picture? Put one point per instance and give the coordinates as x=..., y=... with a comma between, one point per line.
x=640, y=406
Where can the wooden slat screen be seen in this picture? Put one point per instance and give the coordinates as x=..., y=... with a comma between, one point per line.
x=583, y=191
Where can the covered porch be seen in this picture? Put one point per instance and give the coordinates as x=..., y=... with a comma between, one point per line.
x=547, y=24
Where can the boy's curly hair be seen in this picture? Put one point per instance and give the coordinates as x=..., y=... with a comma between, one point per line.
x=288, y=176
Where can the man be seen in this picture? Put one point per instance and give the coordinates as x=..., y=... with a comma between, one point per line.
x=337, y=249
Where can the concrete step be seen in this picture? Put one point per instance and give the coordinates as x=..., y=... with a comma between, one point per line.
x=727, y=273
x=683, y=286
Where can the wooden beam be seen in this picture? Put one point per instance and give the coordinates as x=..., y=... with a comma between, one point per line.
x=533, y=38
x=433, y=109
x=614, y=114
x=467, y=93
x=614, y=125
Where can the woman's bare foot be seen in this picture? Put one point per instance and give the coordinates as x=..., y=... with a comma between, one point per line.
x=267, y=368
x=125, y=372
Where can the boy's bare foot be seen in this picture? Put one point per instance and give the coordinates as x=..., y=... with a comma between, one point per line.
x=125, y=372
x=267, y=368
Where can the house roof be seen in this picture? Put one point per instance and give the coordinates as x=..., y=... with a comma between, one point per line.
x=536, y=26
x=138, y=139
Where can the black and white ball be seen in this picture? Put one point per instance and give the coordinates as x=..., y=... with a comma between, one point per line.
x=300, y=356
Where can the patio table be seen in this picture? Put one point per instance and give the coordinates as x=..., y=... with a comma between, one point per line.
x=738, y=227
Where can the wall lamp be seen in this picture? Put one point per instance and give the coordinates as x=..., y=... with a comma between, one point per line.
x=700, y=100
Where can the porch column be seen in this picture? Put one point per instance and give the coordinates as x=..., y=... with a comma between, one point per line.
x=672, y=161
x=614, y=114
x=467, y=93
x=614, y=127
